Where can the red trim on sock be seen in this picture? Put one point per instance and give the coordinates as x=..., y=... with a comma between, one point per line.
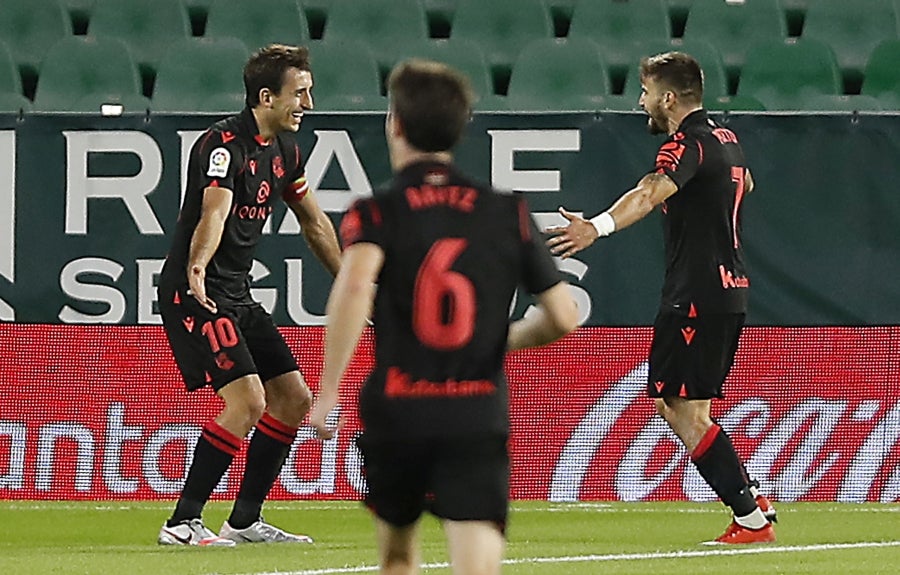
x=706, y=442
x=221, y=438
x=275, y=429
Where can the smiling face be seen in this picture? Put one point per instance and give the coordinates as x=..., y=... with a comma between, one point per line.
x=285, y=109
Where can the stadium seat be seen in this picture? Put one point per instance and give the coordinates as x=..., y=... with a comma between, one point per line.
x=11, y=98
x=559, y=74
x=201, y=75
x=345, y=77
x=382, y=24
x=80, y=73
x=782, y=75
x=31, y=28
x=258, y=23
x=502, y=28
x=466, y=57
x=621, y=29
x=732, y=27
x=851, y=31
x=882, y=75
x=148, y=27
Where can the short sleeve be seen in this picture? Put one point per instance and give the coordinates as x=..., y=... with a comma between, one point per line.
x=539, y=272
x=362, y=223
x=219, y=159
x=297, y=186
x=679, y=158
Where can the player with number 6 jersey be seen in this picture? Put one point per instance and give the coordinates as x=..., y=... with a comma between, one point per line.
x=447, y=254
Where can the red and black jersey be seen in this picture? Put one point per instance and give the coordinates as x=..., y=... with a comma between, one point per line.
x=455, y=253
x=232, y=155
x=702, y=221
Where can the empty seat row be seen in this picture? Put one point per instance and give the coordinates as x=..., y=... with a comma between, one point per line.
x=203, y=74
x=501, y=27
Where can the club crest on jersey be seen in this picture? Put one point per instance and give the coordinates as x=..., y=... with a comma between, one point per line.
x=277, y=167
x=219, y=160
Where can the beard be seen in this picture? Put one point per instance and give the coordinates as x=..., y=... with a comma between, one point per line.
x=654, y=126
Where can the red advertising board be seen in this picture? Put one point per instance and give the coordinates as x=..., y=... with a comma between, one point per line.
x=99, y=412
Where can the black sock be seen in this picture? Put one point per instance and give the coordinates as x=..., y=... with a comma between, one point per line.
x=212, y=456
x=268, y=450
x=719, y=464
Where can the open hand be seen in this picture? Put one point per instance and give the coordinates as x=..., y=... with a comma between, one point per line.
x=571, y=239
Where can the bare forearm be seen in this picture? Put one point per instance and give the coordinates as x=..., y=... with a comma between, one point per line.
x=632, y=207
x=322, y=240
x=555, y=315
x=205, y=241
x=347, y=310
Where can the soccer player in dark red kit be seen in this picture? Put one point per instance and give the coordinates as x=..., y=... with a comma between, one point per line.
x=447, y=254
x=700, y=178
x=219, y=335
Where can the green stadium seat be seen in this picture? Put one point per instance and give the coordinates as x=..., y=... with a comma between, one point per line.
x=81, y=73
x=382, y=24
x=782, y=75
x=345, y=77
x=465, y=56
x=733, y=27
x=852, y=32
x=502, y=28
x=148, y=27
x=31, y=28
x=201, y=75
x=559, y=75
x=621, y=29
x=11, y=98
x=882, y=75
x=258, y=23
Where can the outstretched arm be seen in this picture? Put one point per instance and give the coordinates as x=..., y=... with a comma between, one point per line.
x=652, y=190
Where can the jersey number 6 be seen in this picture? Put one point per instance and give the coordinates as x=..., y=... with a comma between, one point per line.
x=443, y=299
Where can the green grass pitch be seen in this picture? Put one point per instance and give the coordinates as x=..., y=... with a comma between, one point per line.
x=113, y=538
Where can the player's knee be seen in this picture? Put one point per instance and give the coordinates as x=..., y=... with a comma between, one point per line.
x=253, y=409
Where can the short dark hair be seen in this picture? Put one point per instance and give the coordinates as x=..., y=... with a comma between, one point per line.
x=677, y=71
x=266, y=68
x=432, y=101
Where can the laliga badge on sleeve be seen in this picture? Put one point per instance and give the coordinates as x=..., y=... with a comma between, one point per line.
x=219, y=160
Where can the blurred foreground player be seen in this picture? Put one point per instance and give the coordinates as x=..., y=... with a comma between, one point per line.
x=447, y=254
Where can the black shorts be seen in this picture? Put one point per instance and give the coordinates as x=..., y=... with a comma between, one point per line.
x=464, y=479
x=216, y=348
x=690, y=357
